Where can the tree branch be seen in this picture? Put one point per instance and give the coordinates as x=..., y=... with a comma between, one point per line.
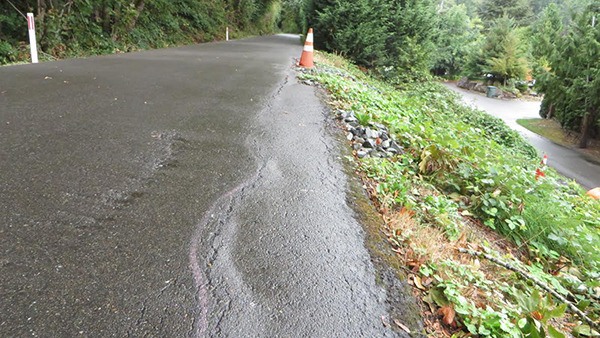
x=536, y=281
x=15, y=7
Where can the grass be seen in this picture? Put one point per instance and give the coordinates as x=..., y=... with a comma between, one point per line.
x=465, y=182
x=552, y=130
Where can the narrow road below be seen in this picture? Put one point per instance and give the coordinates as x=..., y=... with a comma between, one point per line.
x=184, y=192
x=566, y=161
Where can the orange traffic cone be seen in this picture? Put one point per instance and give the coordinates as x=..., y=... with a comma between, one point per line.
x=594, y=193
x=306, y=60
x=539, y=172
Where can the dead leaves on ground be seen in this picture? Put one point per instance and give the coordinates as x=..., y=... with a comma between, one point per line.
x=448, y=315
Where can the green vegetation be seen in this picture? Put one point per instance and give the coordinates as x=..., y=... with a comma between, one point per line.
x=460, y=174
x=395, y=36
x=77, y=28
x=461, y=204
x=572, y=82
x=519, y=10
x=460, y=36
x=497, y=41
x=552, y=130
x=546, y=128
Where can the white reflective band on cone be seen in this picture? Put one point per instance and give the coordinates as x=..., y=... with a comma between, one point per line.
x=308, y=48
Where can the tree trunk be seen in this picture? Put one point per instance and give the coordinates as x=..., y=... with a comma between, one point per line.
x=587, y=125
x=41, y=10
x=550, y=111
x=106, y=19
x=139, y=6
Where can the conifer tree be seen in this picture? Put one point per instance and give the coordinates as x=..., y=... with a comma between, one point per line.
x=519, y=10
x=572, y=85
x=411, y=38
x=502, y=56
x=458, y=34
x=354, y=29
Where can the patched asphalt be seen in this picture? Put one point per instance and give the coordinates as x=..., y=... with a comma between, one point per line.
x=191, y=191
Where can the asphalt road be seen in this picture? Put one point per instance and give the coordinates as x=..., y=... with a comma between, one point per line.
x=191, y=191
x=566, y=161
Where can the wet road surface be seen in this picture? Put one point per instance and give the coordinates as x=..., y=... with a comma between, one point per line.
x=191, y=191
x=566, y=161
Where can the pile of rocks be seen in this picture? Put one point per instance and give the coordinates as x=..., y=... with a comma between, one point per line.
x=368, y=141
x=480, y=87
x=476, y=86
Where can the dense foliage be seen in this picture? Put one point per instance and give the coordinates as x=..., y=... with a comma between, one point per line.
x=460, y=36
x=519, y=10
x=396, y=36
x=71, y=28
x=572, y=79
x=352, y=29
x=461, y=166
x=507, y=42
x=499, y=41
x=502, y=55
x=458, y=164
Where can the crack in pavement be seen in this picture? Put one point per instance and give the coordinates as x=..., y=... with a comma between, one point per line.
x=200, y=280
x=281, y=252
x=223, y=207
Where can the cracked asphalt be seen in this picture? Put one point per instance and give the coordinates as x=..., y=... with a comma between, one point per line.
x=192, y=191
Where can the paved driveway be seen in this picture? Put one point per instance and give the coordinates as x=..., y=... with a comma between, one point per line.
x=566, y=161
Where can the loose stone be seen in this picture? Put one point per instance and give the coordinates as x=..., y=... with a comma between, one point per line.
x=369, y=143
x=361, y=153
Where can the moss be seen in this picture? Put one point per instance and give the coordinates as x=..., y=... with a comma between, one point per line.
x=390, y=275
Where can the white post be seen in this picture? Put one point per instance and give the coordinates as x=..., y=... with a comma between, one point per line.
x=32, y=39
x=227, y=34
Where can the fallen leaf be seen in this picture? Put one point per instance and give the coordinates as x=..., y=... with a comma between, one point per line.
x=448, y=314
x=537, y=315
x=466, y=213
x=462, y=240
x=406, y=211
x=419, y=284
x=402, y=326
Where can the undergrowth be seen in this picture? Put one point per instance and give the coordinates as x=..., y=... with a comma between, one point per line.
x=68, y=29
x=464, y=210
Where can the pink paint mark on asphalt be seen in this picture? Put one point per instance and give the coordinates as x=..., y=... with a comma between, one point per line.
x=199, y=278
x=201, y=293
